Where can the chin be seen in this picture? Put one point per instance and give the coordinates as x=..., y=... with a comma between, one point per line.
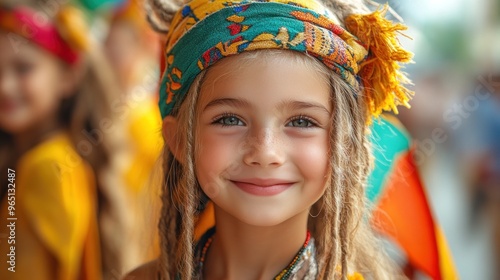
x=262, y=215
x=13, y=127
x=263, y=221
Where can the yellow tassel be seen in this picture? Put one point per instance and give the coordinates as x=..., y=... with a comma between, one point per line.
x=73, y=27
x=355, y=276
x=382, y=79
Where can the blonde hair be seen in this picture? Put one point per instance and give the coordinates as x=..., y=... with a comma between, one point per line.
x=344, y=245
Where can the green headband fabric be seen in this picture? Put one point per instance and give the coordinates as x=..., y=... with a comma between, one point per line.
x=203, y=32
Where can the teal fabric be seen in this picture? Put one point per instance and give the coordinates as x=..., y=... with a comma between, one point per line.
x=94, y=5
x=389, y=141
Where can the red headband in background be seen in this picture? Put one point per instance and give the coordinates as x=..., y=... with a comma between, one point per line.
x=37, y=28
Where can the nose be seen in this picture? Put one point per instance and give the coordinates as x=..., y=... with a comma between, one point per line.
x=265, y=148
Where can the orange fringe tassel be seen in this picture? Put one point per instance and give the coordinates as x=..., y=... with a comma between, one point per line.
x=70, y=22
x=382, y=79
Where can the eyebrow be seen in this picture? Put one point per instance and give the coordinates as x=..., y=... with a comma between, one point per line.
x=298, y=105
x=240, y=103
x=290, y=104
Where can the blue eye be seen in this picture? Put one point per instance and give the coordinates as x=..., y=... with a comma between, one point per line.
x=229, y=120
x=301, y=122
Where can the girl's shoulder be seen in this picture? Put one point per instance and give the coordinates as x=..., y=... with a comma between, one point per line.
x=147, y=271
x=54, y=159
x=54, y=172
x=56, y=200
x=58, y=148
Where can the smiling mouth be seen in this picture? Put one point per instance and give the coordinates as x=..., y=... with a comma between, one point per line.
x=8, y=106
x=263, y=187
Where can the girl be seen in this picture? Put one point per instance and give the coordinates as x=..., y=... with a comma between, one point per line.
x=56, y=131
x=265, y=108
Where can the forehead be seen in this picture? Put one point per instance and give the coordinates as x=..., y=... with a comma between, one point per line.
x=16, y=48
x=283, y=74
x=7, y=43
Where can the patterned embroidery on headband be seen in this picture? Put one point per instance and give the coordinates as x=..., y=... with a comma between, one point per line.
x=254, y=25
x=203, y=32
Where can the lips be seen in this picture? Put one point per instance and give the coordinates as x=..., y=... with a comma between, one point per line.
x=8, y=106
x=263, y=187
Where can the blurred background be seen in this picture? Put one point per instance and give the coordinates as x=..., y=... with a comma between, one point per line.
x=454, y=122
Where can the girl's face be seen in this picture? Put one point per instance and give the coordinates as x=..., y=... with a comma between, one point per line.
x=263, y=138
x=31, y=84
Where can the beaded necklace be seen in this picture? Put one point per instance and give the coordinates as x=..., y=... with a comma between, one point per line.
x=283, y=275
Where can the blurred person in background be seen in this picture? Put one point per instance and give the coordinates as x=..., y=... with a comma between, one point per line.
x=479, y=149
x=58, y=132
x=133, y=50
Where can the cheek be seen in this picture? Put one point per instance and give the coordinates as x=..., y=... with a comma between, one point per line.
x=311, y=158
x=41, y=90
x=33, y=100
x=37, y=100
x=216, y=159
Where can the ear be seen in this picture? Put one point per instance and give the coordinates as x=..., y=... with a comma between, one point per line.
x=173, y=138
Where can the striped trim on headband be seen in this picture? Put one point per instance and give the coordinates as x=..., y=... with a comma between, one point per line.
x=203, y=32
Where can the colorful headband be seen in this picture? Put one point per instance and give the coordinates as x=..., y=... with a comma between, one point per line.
x=203, y=32
x=65, y=39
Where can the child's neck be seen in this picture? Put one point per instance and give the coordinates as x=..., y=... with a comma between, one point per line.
x=29, y=138
x=241, y=251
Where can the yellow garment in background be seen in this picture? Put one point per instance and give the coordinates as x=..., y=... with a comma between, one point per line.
x=144, y=128
x=145, y=141
x=56, y=227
